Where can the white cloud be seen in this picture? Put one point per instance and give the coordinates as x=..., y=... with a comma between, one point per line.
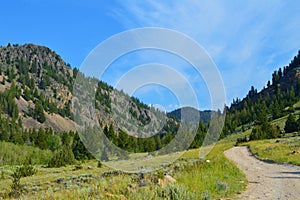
x=246, y=39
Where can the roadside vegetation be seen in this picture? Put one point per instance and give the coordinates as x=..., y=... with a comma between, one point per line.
x=282, y=147
x=282, y=150
x=213, y=177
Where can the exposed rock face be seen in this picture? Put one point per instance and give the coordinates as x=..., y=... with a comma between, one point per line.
x=42, y=76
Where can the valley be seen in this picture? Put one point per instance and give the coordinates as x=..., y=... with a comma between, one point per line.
x=44, y=156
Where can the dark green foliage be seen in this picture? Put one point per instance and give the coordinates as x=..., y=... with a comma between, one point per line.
x=45, y=82
x=39, y=112
x=265, y=131
x=7, y=101
x=16, y=187
x=16, y=137
x=26, y=94
x=25, y=170
x=75, y=72
x=53, y=142
x=291, y=125
x=102, y=95
x=62, y=158
x=276, y=77
x=79, y=150
x=41, y=141
x=272, y=101
x=11, y=74
x=99, y=165
x=200, y=135
x=241, y=140
x=66, y=138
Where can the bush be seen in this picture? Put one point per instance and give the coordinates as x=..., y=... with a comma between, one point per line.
x=176, y=192
x=99, y=164
x=62, y=158
x=16, y=187
x=27, y=170
x=241, y=140
x=265, y=132
x=291, y=124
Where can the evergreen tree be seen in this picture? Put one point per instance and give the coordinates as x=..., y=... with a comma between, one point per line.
x=39, y=112
x=291, y=124
x=27, y=94
x=79, y=150
x=42, y=139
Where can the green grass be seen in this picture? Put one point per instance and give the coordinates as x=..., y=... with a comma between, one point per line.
x=285, y=150
x=204, y=178
x=280, y=122
x=297, y=105
x=219, y=178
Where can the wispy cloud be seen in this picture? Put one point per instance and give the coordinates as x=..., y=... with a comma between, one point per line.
x=246, y=39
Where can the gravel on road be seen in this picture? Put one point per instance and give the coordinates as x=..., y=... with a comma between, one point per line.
x=266, y=180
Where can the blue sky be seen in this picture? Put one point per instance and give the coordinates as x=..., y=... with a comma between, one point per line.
x=247, y=40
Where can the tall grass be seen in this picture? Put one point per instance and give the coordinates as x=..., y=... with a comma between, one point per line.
x=219, y=177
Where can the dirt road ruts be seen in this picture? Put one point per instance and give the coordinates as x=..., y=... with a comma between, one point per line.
x=266, y=180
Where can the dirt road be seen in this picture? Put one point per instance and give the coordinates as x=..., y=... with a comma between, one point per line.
x=266, y=180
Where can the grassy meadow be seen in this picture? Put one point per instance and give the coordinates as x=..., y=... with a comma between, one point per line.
x=209, y=178
x=214, y=177
x=283, y=150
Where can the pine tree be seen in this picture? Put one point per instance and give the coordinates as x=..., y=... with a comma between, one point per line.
x=291, y=124
x=41, y=139
x=39, y=112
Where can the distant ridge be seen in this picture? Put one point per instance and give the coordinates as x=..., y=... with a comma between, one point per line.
x=191, y=115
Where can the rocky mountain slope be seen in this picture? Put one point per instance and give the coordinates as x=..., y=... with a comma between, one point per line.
x=44, y=84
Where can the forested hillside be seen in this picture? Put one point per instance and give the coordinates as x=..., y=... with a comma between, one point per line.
x=275, y=100
x=36, y=106
x=36, y=90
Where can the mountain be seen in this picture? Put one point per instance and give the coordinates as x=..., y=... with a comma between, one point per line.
x=40, y=83
x=38, y=91
x=42, y=100
x=275, y=100
x=41, y=77
x=191, y=115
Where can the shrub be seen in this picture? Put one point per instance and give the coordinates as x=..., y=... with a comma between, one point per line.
x=241, y=140
x=16, y=187
x=62, y=158
x=291, y=124
x=99, y=164
x=2, y=175
x=265, y=132
x=27, y=170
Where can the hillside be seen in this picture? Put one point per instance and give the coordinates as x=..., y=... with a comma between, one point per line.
x=272, y=102
x=41, y=77
x=191, y=115
x=36, y=90
x=37, y=98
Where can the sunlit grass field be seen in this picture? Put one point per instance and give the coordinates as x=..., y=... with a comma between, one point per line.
x=278, y=150
x=207, y=178
x=212, y=177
